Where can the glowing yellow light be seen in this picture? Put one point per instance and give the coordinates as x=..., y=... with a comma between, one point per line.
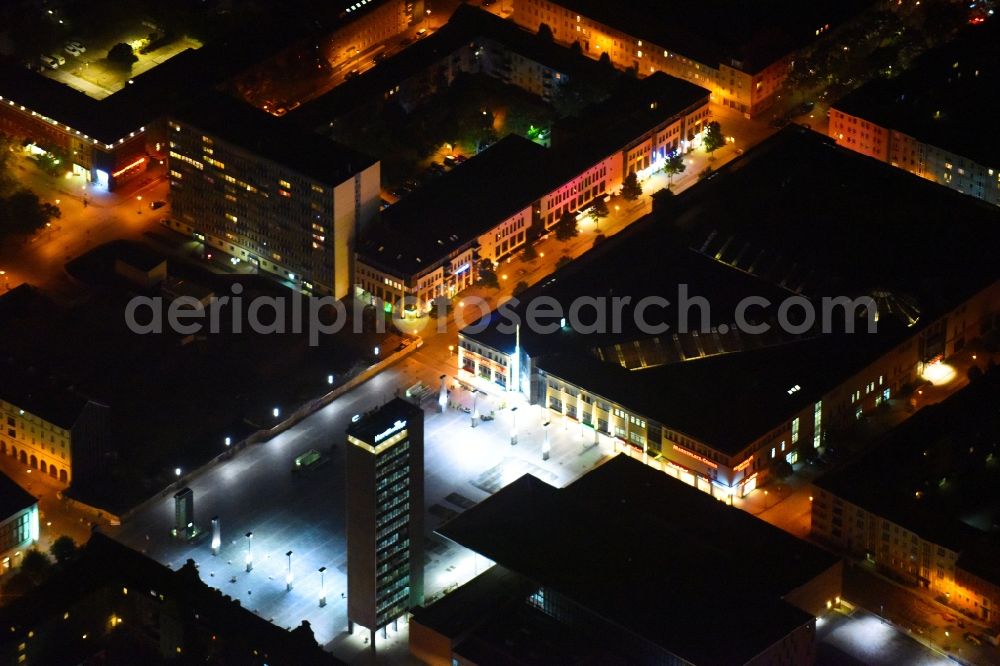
x=939, y=373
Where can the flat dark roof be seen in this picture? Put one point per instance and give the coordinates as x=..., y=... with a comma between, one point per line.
x=721, y=31
x=602, y=541
x=384, y=418
x=938, y=97
x=949, y=454
x=39, y=394
x=797, y=215
x=454, y=209
x=13, y=498
x=680, y=395
x=485, y=597
x=260, y=133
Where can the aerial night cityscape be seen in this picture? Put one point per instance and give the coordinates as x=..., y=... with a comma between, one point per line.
x=500, y=332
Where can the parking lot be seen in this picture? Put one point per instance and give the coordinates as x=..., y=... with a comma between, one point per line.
x=91, y=73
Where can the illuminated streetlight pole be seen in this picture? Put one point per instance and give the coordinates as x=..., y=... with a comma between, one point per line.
x=546, y=447
x=443, y=394
x=249, y=535
x=288, y=577
x=475, y=407
x=322, y=587
x=216, y=535
x=513, y=426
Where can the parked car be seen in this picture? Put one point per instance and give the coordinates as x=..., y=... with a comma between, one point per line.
x=58, y=58
x=450, y=161
x=421, y=33
x=353, y=74
x=157, y=204
x=48, y=61
x=411, y=184
x=72, y=50
x=461, y=159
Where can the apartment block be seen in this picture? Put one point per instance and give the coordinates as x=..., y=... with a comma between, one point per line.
x=289, y=203
x=920, y=122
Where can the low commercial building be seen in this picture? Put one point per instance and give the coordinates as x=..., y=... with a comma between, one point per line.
x=922, y=120
x=429, y=245
x=578, y=575
x=921, y=504
x=290, y=203
x=50, y=428
x=742, y=52
x=672, y=391
x=18, y=523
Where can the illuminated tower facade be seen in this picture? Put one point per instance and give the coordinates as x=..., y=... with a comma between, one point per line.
x=385, y=525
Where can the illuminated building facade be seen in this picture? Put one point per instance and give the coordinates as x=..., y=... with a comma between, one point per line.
x=56, y=432
x=650, y=395
x=109, y=142
x=429, y=245
x=385, y=509
x=741, y=52
x=919, y=120
x=919, y=526
x=18, y=523
x=367, y=23
x=289, y=203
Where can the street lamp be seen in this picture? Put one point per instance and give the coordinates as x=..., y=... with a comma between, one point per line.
x=288, y=576
x=322, y=587
x=329, y=379
x=177, y=471
x=475, y=407
x=513, y=426
x=229, y=441
x=546, y=447
x=249, y=535
x=275, y=412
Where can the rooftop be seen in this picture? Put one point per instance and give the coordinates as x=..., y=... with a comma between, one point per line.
x=384, y=419
x=453, y=210
x=41, y=395
x=945, y=463
x=466, y=26
x=599, y=540
x=311, y=155
x=749, y=36
x=933, y=100
x=781, y=244
x=13, y=498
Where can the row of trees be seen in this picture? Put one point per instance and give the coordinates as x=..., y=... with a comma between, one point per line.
x=567, y=227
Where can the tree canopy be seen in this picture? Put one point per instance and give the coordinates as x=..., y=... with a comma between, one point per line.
x=567, y=227
x=23, y=213
x=631, y=189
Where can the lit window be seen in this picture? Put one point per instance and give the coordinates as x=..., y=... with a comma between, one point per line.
x=285, y=184
x=285, y=193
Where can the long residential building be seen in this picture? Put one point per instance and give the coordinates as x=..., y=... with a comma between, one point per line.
x=740, y=51
x=922, y=120
x=675, y=395
x=430, y=244
x=917, y=527
x=290, y=203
